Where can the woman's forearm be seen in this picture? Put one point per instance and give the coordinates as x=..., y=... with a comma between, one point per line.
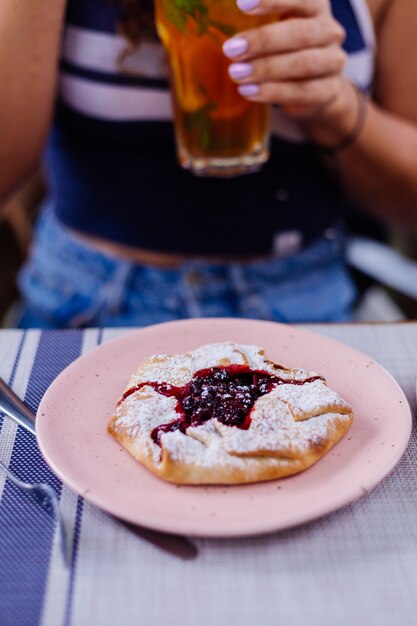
x=29, y=43
x=379, y=170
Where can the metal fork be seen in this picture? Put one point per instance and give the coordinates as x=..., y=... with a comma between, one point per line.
x=44, y=495
x=12, y=406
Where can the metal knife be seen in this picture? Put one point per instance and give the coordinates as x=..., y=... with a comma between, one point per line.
x=177, y=545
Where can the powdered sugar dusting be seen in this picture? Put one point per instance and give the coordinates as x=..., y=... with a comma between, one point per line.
x=175, y=370
x=179, y=369
x=227, y=353
x=285, y=422
x=311, y=399
x=143, y=411
x=187, y=450
x=274, y=432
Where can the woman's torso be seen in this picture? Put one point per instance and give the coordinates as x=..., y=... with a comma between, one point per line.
x=111, y=157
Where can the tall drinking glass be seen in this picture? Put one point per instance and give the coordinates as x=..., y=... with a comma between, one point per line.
x=218, y=132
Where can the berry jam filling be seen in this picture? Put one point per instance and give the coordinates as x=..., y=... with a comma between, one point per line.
x=225, y=393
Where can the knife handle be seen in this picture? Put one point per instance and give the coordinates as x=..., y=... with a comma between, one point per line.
x=12, y=405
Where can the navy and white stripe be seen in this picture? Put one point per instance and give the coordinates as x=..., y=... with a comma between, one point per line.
x=101, y=78
x=26, y=544
x=97, y=79
x=106, y=53
x=360, y=43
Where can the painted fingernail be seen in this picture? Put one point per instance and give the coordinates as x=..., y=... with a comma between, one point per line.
x=248, y=90
x=235, y=47
x=247, y=5
x=240, y=70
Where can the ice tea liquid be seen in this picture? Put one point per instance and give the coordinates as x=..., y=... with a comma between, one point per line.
x=218, y=132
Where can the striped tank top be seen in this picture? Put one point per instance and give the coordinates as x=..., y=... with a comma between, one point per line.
x=111, y=162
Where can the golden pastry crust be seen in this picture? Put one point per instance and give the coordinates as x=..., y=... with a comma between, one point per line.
x=291, y=427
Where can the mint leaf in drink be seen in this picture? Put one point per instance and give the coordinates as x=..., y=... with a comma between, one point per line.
x=198, y=123
x=177, y=11
x=174, y=15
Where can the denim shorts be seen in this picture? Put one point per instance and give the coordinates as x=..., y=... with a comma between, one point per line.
x=67, y=284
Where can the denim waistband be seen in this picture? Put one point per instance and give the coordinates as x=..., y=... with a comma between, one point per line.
x=71, y=283
x=292, y=250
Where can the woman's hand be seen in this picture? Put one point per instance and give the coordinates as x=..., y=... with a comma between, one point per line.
x=295, y=63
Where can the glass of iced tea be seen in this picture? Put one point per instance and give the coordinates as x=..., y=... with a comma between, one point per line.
x=218, y=132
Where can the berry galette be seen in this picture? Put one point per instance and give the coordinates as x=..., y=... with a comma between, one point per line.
x=224, y=413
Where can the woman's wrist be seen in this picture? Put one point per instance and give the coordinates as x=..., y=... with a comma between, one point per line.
x=339, y=125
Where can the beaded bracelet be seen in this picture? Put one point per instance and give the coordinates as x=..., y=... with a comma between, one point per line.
x=353, y=135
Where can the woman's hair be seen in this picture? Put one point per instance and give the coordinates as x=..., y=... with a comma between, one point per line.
x=137, y=21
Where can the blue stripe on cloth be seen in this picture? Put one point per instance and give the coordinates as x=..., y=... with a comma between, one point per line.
x=75, y=544
x=27, y=532
x=99, y=15
x=103, y=16
x=126, y=80
x=16, y=363
x=343, y=12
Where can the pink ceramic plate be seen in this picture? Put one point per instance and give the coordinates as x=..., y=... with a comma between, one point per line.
x=73, y=416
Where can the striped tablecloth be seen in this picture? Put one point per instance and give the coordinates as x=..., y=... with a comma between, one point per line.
x=357, y=566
